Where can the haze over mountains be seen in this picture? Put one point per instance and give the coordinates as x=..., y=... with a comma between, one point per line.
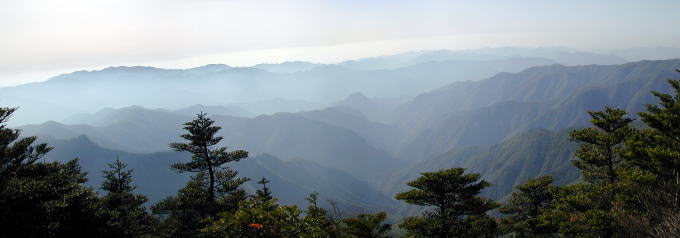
x=293, y=85
x=360, y=128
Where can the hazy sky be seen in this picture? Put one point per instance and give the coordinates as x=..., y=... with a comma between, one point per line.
x=39, y=39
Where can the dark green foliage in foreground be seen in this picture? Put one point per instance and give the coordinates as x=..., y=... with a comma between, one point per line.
x=526, y=206
x=50, y=200
x=264, y=193
x=42, y=199
x=201, y=137
x=367, y=225
x=600, y=148
x=128, y=216
x=15, y=153
x=458, y=211
x=212, y=190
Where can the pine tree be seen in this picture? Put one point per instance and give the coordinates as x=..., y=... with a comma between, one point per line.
x=212, y=190
x=40, y=199
x=600, y=157
x=601, y=148
x=662, y=151
x=202, y=137
x=128, y=216
x=118, y=179
x=16, y=153
x=264, y=193
x=526, y=206
x=367, y=225
x=656, y=152
x=317, y=221
x=459, y=211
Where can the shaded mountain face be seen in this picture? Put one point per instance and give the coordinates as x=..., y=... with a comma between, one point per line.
x=290, y=181
x=550, y=97
x=505, y=165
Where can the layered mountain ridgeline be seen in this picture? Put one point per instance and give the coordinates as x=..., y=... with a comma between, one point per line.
x=463, y=114
x=551, y=97
x=301, y=84
x=290, y=180
x=333, y=137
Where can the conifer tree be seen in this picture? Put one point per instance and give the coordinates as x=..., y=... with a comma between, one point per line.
x=264, y=193
x=526, y=206
x=127, y=215
x=15, y=152
x=601, y=148
x=318, y=223
x=458, y=210
x=202, y=138
x=213, y=189
x=656, y=152
x=42, y=199
x=367, y=225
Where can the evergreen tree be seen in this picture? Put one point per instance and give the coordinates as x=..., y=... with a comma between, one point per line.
x=256, y=218
x=590, y=208
x=458, y=210
x=42, y=199
x=128, y=216
x=212, y=190
x=526, y=206
x=202, y=137
x=601, y=148
x=367, y=225
x=656, y=152
x=317, y=220
x=16, y=153
x=50, y=200
x=264, y=193
x=661, y=152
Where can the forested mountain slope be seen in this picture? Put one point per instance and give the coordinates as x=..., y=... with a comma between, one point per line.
x=550, y=97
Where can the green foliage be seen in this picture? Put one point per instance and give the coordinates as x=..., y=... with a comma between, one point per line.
x=580, y=212
x=458, y=211
x=256, y=218
x=367, y=225
x=264, y=193
x=658, y=149
x=526, y=206
x=655, y=151
x=600, y=148
x=317, y=221
x=212, y=190
x=201, y=137
x=42, y=199
x=16, y=153
x=188, y=212
x=50, y=200
x=117, y=179
x=127, y=215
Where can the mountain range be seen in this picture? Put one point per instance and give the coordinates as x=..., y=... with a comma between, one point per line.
x=355, y=131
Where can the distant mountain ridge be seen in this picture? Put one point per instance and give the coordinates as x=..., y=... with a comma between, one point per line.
x=407, y=74
x=550, y=97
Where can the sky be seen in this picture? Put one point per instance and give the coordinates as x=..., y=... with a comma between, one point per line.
x=43, y=38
